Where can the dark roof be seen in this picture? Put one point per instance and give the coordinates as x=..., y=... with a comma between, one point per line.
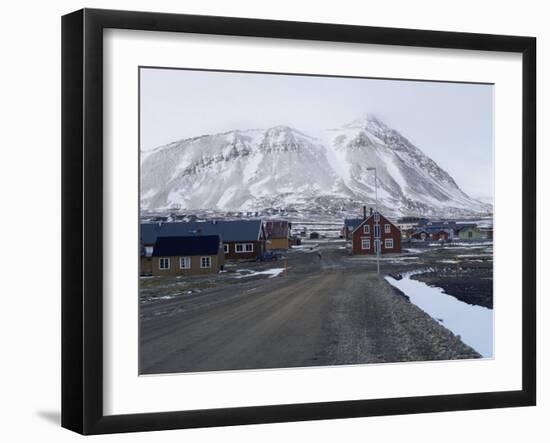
x=182, y=246
x=352, y=223
x=436, y=229
x=276, y=229
x=228, y=230
x=412, y=219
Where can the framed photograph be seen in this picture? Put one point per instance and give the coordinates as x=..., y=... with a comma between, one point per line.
x=268, y=221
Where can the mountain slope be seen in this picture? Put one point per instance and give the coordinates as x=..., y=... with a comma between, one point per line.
x=408, y=180
x=236, y=170
x=281, y=167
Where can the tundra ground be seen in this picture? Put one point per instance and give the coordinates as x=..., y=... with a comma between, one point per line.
x=316, y=306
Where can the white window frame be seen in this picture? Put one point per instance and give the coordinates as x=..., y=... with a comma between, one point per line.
x=386, y=243
x=366, y=228
x=247, y=245
x=209, y=262
x=387, y=228
x=226, y=248
x=185, y=262
x=242, y=248
x=161, y=260
x=363, y=241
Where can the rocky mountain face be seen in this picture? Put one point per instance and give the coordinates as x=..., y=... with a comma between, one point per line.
x=283, y=168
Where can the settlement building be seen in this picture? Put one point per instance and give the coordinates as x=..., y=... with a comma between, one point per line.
x=277, y=234
x=408, y=223
x=349, y=226
x=146, y=260
x=242, y=239
x=469, y=232
x=192, y=255
x=435, y=233
x=372, y=227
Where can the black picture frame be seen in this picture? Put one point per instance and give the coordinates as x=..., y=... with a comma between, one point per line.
x=82, y=215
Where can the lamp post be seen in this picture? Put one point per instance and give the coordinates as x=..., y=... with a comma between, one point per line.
x=377, y=233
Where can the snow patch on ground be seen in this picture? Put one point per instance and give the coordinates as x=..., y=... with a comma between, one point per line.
x=274, y=272
x=474, y=324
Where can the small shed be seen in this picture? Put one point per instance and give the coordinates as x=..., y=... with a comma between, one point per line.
x=278, y=234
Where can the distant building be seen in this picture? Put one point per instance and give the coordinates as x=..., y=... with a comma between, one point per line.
x=420, y=234
x=408, y=223
x=349, y=226
x=242, y=239
x=364, y=236
x=277, y=234
x=192, y=255
x=439, y=235
x=469, y=232
x=314, y=236
x=435, y=233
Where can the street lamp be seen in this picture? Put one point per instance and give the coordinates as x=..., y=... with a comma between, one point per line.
x=375, y=187
x=376, y=221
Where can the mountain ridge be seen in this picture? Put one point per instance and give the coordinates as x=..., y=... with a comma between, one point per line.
x=284, y=167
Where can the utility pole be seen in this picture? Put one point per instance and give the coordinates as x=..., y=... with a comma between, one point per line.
x=377, y=235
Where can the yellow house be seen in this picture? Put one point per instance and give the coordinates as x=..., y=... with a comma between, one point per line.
x=190, y=255
x=278, y=234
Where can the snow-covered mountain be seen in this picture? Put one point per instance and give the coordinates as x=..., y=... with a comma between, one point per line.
x=281, y=167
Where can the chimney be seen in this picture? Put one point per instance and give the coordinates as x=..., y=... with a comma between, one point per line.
x=370, y=211
x=364, y=212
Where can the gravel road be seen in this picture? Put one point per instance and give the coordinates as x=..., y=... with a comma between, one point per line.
x=323, y=312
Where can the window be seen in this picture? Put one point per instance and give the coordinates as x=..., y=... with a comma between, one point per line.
x=366, y=229
x=377, y=231
x=388, y=244
x=244, y=247
x=225, y=248
x=387, y=228
x=365, y=243
x=185, y=262
x=470, y=234
x=164, y=263
x=206, y=262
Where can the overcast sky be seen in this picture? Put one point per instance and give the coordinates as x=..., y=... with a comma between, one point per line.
x=452, y=123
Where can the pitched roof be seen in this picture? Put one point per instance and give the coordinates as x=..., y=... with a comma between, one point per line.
x=352, y=223
x=386, y=220
x=462, y=226
x=228, y=230
x=182, y=246
x=276, y=229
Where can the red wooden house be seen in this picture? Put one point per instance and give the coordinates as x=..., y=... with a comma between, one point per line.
x=364, y=235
